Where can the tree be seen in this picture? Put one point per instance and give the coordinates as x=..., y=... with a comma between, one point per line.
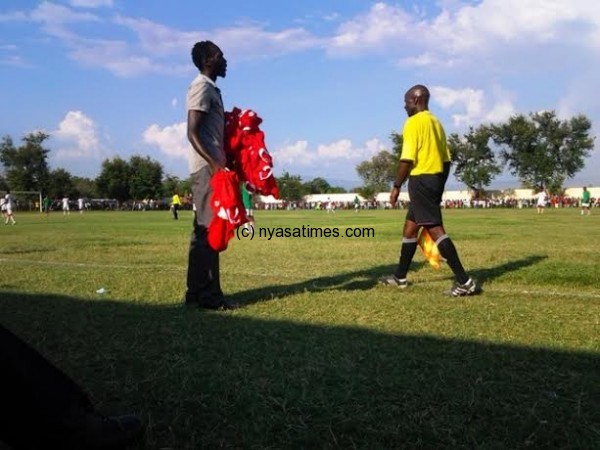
x=172, y=184
x=336, y=190
x=378, y=173
x=543, y=151
x=398, y=141
x=85, y=187
x=317, y=186
x=113, y=181
x=290, y=187
x=145, y=177
x=60, y=184
x=474, y=161
x=26, y=167
x=366, y=191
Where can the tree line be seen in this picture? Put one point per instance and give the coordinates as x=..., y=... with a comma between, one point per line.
x=539, y=149
x=25, y=168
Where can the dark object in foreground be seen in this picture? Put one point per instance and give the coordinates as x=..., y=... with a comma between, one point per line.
x=43, y=408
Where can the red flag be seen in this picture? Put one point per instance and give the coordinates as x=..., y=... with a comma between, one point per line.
x=228, y=209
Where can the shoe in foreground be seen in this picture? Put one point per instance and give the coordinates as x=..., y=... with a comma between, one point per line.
x=463, y=290
x=393, y=280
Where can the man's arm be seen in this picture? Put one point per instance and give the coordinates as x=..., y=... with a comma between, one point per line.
x=446, y=171
x=404, y=169
x=194, y=122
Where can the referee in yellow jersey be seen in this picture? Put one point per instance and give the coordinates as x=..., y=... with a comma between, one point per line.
x=425, y=162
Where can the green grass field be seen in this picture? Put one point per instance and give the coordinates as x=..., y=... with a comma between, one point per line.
x=321, y=356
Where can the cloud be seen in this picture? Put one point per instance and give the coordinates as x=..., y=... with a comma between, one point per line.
x=293, y=154
x=170, y=140
x=474, y=104
x=247, y=41
x=381, y=27
x=77, y=137
x=458, y=33
x=91, y=3
x=462, y=30
x=341, y=151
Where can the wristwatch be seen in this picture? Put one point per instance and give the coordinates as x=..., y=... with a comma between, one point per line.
x=397, y=184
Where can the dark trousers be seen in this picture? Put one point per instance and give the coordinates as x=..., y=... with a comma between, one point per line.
x=40, y=406
x=175, y=211
x=203, y=280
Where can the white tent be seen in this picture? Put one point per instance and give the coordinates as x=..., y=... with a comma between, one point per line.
x=347, y=197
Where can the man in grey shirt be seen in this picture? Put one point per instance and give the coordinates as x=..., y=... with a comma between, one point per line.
x=206, y=134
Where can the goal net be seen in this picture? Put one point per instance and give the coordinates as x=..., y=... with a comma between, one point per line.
x=25, y=200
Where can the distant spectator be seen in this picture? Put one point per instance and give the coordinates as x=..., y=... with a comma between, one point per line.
x=8, y=206
x=541, y=200
x=585, y=201
x=175, y=204
x=65, y=206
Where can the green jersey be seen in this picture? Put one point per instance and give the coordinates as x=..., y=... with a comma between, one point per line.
x=246, y=198
x=585, y=198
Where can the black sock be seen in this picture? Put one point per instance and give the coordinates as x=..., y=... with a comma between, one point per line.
x=448, y=252
x=407, y=251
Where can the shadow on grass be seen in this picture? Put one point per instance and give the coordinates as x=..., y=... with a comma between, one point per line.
x=357, y=280
x=489, y=274
x=228, y=380
x=364, y=280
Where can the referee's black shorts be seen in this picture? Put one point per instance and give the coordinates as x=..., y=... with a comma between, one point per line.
x=425, y=194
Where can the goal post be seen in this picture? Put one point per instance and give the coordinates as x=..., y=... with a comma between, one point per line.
x=27, y=200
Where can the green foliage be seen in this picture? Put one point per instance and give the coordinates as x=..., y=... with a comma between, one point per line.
x=336, y=190
x=367, y=192
x=26, y=167
x=321, y=186
x=113, y=181
x=473, y=160
x=172, y=184
x=137, y=179
x=317, y=186
x=85, y=187
x=378, y=173
x=398, y=142
x=60, y=184
x=543, y=151
x=146, y=178
x=3, y=183
x=291, y=187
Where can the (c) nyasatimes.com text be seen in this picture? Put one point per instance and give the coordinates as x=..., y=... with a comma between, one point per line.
x=305, y=231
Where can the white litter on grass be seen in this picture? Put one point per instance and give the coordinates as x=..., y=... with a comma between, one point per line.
x=101, y=291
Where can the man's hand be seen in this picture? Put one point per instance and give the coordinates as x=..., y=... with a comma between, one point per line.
x=394, y=195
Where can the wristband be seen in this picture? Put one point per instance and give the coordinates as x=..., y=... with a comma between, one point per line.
x=397, y=184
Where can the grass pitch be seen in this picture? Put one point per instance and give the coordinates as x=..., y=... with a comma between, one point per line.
x=321, y=356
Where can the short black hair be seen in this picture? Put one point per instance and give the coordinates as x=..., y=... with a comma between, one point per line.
x=420, y=90
x=201, y=51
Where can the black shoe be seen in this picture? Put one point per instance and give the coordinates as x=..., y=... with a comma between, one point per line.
x=463, y=290
x=393, y=280
x=217, y=303
x=226, y=306
x=109, y=433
